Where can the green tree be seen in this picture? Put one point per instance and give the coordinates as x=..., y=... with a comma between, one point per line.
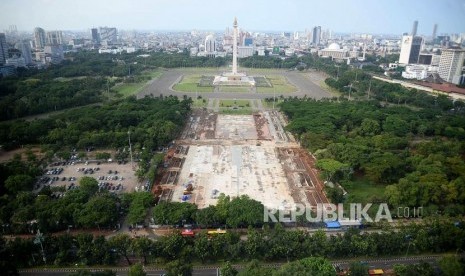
x=142, y=246
x=228, y=270
x=307, y=266
x=179, y=268
x=121, y=243
x=136, y=270
x=88, y=185
x=451, y=266
x=20, y=182
x=358, y=269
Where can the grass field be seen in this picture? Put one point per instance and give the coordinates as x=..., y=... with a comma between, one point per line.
x=128, y=89
x=199, y=103
x=189, y=83
x=280, y=85
x=270, y=104
x=235, y=107
x=363, y=191
x=238, y=111
x=225, y=103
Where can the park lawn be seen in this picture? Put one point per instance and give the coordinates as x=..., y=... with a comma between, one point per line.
x=189, y=83
x=128, y=89
x=280, y=85
x=270, y=104
x=238, y=111
x=363, y=191
x=225, y=103
x=199, y=103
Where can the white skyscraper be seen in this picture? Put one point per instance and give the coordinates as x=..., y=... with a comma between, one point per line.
x=39, y=38
x=451, y=64
x=410, y=49
x=110, y=35
x=54, y=38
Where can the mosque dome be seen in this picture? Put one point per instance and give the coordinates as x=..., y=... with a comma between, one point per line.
x=334, y=46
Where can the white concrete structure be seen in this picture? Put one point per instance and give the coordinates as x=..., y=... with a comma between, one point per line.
x=54, y=38
x=245, y=51
x=410, y=49
x=234, y=78
x=418, y=71
x=16, y=61
x=451, y=65
x=334, y=51
x=39, y=38
x=25, y=49
x=210, y=44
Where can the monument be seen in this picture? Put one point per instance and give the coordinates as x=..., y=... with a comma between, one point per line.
x=234, y=78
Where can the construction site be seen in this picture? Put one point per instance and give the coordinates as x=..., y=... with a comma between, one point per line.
x=239, y=155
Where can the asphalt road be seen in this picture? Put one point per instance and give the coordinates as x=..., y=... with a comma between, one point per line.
x=163, y=86
x=212, y=270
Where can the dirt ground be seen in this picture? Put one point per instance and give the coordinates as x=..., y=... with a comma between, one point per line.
x=237, y=155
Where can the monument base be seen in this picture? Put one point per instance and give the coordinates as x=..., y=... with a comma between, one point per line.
x=234, y=79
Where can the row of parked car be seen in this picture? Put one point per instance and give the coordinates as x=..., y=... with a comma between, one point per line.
x=110, y=186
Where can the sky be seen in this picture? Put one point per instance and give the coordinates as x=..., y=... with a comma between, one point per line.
x=346, y=16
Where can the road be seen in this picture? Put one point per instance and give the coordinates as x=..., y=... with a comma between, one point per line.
x=212, y=270
x=163, y=86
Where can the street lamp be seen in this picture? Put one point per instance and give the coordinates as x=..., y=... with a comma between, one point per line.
x=130, y=149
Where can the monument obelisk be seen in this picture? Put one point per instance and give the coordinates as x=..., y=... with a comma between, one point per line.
x=234, y=78
x=234, y=65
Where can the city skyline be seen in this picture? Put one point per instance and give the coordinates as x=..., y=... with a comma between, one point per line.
x=376, y=17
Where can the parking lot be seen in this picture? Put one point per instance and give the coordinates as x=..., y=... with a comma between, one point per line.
x=111, y=176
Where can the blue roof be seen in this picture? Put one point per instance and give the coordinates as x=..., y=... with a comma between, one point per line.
x=333, y=224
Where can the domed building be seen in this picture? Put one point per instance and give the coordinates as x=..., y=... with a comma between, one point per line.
x=210, y=44
x=334, y=51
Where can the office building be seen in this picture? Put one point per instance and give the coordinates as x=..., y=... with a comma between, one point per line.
x=245, y=51
x=435, y=30
x=39, y=38
x=54, y=38
x=25, y=48
x=316, y=35
x=451, y=65
x=53, y=54
x=3, y=49
x=110, y=35
x=16, y=61
x=410, y=49
x=210, y=44
x=95, y=35
x=415, y=28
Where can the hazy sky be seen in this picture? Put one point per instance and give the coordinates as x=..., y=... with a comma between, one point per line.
x=363, y=16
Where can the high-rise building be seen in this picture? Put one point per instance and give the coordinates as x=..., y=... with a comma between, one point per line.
x=108, y=34
x=210, y=44
x=435, y=30
x=54, y=38
x=25, y=48
x=415, y=27
x=39, y=38
x=316, y=35
x=451, y=64
x=3, y=49
x=95, y=35
x=410, y=49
